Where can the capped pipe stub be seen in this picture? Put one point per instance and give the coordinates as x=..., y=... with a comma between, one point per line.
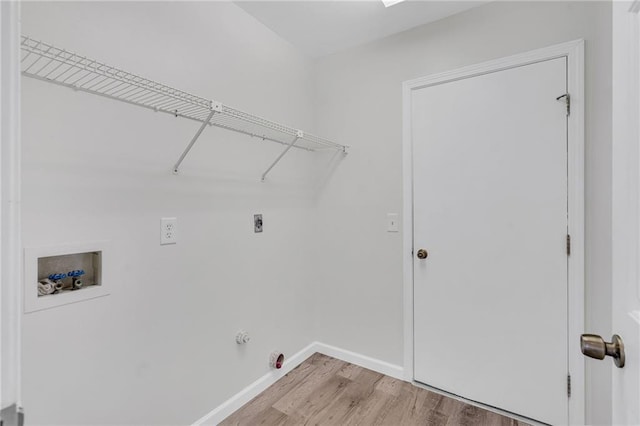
x=276, y=360
x=242, y=337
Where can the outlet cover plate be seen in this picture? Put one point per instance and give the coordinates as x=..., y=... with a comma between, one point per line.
x=168, y=230
x=393, y=224
x=257, y=223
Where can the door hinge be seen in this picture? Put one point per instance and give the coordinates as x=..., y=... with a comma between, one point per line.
x=567, y=101
x=569, y=385
x=568, y=245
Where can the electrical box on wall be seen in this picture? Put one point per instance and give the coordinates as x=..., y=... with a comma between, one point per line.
x=59, y=275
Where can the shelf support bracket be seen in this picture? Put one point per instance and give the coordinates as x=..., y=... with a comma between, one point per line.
x=299, y=135
x=193, y=141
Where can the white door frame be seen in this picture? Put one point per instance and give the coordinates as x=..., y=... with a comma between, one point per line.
x=10, y=250
x=574, y=52
x=625, y=180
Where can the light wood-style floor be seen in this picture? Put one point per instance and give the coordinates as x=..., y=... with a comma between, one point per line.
x=327, y=391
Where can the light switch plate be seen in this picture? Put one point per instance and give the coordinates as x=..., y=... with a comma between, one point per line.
x=393, y=223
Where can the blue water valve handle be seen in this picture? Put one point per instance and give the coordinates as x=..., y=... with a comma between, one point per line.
x=76, y=273
x=56, y=277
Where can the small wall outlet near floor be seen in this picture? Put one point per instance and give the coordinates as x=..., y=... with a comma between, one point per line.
x=168, y=230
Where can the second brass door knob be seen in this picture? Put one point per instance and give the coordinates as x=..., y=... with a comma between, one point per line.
x=594, y=346
x=422, y=254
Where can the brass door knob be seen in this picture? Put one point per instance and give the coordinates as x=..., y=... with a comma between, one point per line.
x=422, y=254
x=594, y=346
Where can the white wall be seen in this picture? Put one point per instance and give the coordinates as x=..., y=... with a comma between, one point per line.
x=160, y=349
x=358, y=101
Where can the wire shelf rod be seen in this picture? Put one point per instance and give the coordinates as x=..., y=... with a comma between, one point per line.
x=128, y=88
x=105, y=87
x=114, y=89
x=74, y=73
x=32, y=64
x=53, y=70
x=146, y=96
x=106, y=72
x=191, y=108
x=45, y=62
x=29, y=52
x=128, y=94
x=255, y=135
x=85, y=84
x=51, y=60
x=169, y=103
x=95, y=86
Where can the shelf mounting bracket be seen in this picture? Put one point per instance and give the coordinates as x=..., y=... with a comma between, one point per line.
x=299, y=134
x=215, y=107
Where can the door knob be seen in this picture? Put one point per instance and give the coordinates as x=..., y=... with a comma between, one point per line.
x=594, y=346
x=422, y=254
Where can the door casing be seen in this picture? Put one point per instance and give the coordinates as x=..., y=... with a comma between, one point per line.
x=574, y=52
x=625, y=208
x=10, y=247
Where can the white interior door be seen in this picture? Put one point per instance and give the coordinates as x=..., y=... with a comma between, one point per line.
x=626, y=214
x=490, y=208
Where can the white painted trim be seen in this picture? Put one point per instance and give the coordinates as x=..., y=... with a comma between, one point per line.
x=234, y=403
x=576, y=298
x=625, y=204
x=3, y=119
x=10, y=252
x=231, y=405
x=538, y=55
x=574, y=52
x=407, y=231
x=382, y=367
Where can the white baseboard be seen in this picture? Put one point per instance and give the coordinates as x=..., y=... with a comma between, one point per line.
x=231, y=405
x=382, y=367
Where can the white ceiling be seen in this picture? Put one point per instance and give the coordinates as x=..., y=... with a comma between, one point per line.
x=319, y=28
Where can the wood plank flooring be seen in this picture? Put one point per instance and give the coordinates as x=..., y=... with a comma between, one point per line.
x=326, y=391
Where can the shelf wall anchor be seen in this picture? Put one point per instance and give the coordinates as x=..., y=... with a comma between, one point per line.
x=193, y=141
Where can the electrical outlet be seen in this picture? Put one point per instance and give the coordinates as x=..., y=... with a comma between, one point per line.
x=257, y=223
x=168, y=230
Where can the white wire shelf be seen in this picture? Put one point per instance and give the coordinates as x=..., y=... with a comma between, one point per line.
x=52, y=64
